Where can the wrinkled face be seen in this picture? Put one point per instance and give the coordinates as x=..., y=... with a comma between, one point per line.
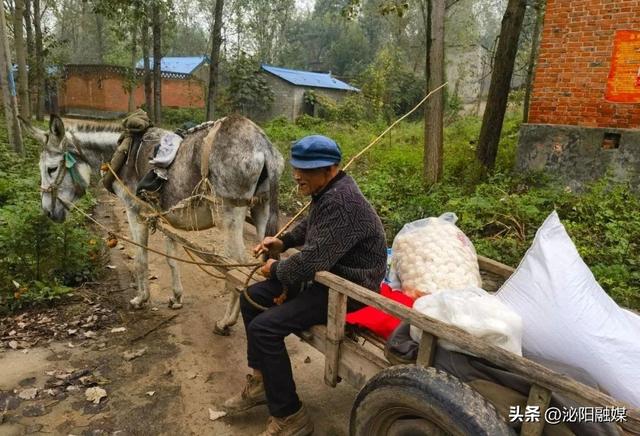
x=57, y=181
x=313, y=180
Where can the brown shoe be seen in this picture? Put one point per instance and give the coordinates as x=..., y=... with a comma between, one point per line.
x=298, y=424
x=252, y=395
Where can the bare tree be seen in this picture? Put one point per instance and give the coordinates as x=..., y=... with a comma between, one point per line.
x=100, y=36
x=148, y=81
x=131, y=80
x=38, y=61
x=533, y=56
x=8, y=91
x=434, y=110
x=157, y=57
x=21, y=58
x=216, y=43
x=28, y=26
x=500, y=83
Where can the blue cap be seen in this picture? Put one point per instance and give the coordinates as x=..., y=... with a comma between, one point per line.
x=315, y=151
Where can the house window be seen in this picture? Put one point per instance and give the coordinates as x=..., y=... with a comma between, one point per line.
x=611, y=141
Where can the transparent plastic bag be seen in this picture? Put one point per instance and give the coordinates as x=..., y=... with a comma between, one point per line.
x=433, y=254
x=475, y=311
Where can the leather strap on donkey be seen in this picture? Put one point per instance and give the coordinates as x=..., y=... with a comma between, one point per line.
x=134, y=125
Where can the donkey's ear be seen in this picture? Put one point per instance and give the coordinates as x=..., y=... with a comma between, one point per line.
x=56, y=126
x=37, y=134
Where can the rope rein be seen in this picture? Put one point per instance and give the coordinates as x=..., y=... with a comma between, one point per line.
x=153, y=250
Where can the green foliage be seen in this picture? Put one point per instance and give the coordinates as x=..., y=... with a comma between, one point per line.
x=248, y=90
x=176, y=117
x=40, y=259
x=390, y=88
x=500, y=213
x=352, y=109
x=604, y=224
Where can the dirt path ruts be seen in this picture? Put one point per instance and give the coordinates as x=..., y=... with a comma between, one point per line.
x=188, y=369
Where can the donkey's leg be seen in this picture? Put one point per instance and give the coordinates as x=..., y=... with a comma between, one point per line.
x=233, y=222
x=260, y=216
x=232, y=225
x=175, y=302
x=140, y=234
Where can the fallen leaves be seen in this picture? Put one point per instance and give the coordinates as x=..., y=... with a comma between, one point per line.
x=95, y=394
x=56, y=324
x=28, y=394
x=130, y=355
x=216, y=414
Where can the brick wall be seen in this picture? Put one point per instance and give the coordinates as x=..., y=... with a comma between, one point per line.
x=104, y=92
x=574, y=64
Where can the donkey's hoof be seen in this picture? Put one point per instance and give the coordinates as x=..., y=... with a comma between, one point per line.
x=137, y=303
x=175, y=303
x=221, y=331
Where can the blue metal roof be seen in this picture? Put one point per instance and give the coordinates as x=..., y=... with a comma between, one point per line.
x=307, y=78
x=183, y=64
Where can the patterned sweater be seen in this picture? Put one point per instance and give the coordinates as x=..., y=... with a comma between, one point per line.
x=342, y=234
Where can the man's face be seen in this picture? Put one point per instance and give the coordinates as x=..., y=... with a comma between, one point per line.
x=313, y=180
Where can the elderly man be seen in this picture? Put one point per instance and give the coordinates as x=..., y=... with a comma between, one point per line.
x=342, y=234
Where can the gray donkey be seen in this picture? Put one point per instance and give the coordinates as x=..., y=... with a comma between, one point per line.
x=243, y=169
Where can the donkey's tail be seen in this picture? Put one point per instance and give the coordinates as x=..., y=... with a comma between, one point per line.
x=272, y=221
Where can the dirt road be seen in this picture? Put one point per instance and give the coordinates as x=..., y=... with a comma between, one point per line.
x=185, y=369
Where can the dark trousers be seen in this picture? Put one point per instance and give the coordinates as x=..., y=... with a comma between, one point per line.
x=266, y=331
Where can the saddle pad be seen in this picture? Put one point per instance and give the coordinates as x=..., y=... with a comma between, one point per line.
x=166, y=151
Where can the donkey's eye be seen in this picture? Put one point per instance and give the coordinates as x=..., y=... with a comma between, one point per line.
x=51, y=171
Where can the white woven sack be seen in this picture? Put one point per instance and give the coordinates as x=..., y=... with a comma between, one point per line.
x=569, y=319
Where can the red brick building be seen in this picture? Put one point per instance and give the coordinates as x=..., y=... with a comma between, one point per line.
x=99, y=90
x=585, y=108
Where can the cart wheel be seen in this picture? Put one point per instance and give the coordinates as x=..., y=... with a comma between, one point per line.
x=411, y=400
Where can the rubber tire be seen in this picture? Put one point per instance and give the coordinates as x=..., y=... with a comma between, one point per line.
x=410, y=391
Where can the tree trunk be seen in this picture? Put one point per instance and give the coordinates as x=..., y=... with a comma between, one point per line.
x=148, y=83
x=157, y=57
x=435, y=105
x=132, y=75
x=533, y=56
x=21, y=58
x=39, y=61
x=8, y=91
x=100, y=37
x=216, y=43
x=500, y=83
x=28, y=25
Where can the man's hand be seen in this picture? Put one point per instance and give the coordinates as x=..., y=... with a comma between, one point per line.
x=265, y=270
x=269, y=244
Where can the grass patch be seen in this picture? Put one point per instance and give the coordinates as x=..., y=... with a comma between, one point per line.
x=41, y=260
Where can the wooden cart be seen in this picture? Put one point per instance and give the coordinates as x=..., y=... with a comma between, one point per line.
x=437, y=402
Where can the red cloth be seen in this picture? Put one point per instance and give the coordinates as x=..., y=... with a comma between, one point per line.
x=379, y=322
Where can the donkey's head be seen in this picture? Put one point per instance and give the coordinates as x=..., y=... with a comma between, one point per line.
x=64, y=174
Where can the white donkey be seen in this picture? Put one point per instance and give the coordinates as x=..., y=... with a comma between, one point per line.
x=243, y=168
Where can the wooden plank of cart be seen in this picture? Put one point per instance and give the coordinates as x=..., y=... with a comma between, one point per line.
x=419, y=399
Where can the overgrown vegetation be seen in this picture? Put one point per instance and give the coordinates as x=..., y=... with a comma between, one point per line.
x=500, y=214
x=40, y=260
